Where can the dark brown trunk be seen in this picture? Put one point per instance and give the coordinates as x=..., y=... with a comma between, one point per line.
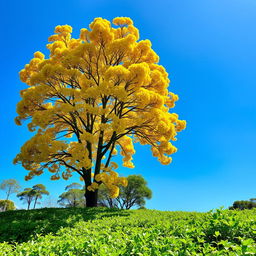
x=91, y=198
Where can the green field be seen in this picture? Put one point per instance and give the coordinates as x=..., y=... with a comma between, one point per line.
x=101, y=231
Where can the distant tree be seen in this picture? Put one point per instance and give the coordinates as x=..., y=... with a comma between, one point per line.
x=133, y=195
x=39, y=190
x=6, y=205
x=10, y=186
x=73, y=197
x=242, y=205
x=27, y=196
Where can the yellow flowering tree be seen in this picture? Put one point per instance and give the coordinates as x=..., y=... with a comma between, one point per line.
x=91, y=99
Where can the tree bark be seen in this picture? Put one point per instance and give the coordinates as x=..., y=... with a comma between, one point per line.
x=8, y=193
x=91, y=198
x=35, y=202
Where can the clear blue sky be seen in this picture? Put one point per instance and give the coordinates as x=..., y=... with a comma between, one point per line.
x=209, y=50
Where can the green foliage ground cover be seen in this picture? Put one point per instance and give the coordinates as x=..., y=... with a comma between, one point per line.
x=101, y=231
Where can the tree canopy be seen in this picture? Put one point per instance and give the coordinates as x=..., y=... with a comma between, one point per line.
x=93, y=98
x=27, y=196
x=243, y=204
x=10, y=186
x=39, y=190
x=133, y=195
x=6, y=205
x=73, y=197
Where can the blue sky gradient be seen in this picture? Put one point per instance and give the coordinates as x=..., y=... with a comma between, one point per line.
x=208, y=49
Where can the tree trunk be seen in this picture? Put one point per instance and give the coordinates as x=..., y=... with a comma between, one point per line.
x=35, y=202
x=91, y=198
x=8, y=194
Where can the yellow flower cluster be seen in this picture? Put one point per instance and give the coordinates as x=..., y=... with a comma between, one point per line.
x=66, y=175
x=55, y=177
x=53, y=168
x=31, y=68
x=111, y=181
x=127, y=150
x=119, y=21
x=79, y=156
x=38, y=150
x=100, y=31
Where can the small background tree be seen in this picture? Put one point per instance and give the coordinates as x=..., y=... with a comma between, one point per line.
x=39, y=190
x=6, y=205
x=133, y=195
x=243, y=204
x=73, y=197
x=27, y=196
x=10, y=186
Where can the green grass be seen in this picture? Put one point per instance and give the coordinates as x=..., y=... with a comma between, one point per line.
x=103, y=232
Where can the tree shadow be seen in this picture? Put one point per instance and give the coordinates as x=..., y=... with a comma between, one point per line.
x=23, y=225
